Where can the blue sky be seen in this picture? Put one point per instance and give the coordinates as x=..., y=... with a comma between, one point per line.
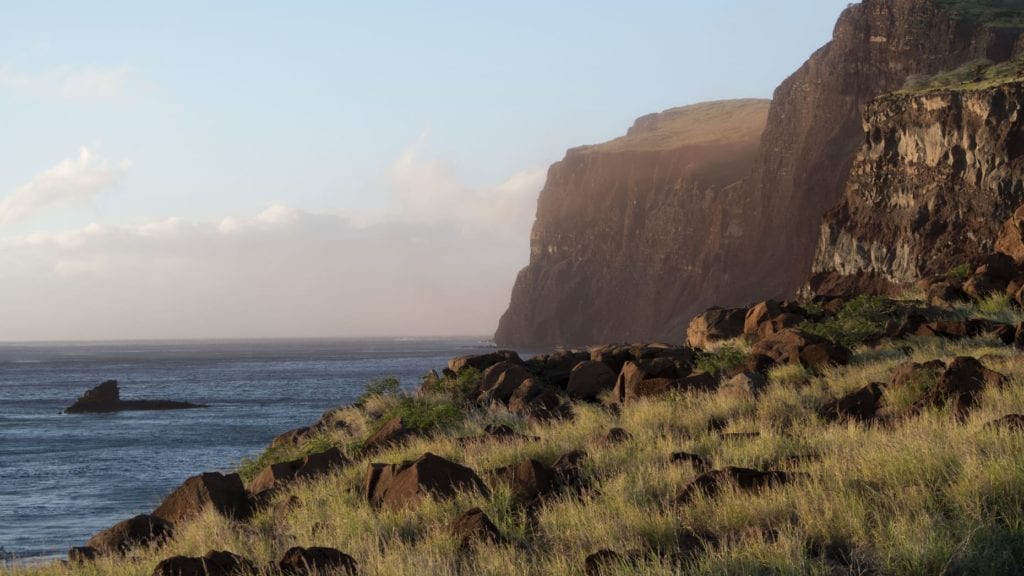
x=198, y=119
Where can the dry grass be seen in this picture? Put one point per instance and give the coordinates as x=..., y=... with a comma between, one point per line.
x=924, y=496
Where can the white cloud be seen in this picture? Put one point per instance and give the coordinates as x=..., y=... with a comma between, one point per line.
x=68, y=82
x=428, y=189
x=71, y=181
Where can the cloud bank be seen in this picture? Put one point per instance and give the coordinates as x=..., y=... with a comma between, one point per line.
x=441, y=261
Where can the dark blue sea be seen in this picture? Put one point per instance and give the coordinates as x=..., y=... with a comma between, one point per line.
x=64, y=477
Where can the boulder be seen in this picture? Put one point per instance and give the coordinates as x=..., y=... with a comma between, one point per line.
x=298, y=561
x=714, y=325
x=860, y=405
x=474, y=526
x=748, y=385
x=997, y=266
x=606, y=562
x=921, y=375
x=962, y=383
x=225, y=493
x=82, y=554
x=291, y=437
x=276, y=475
x=501, y=380
x=1013, y=422
x=617, y=436
x=498, y=433
x=556, y=368
x=527, y=480
x=482, y=362
x=107, y=398
x=589, y=380
x=945, y=294
x=398, y=485
x=392, y=433
x=647, y=378
x=214, y=563
x=568, y=469
x=746, y=479
x=614, y=356
x=142, y=530
x=792, y=346
x=699, y=464
x=537, y=402
x=1011, y=237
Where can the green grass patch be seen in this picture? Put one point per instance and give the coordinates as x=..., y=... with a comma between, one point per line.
x=721, y=360
x=424, y=414
x=250, y=467
x=860, y=320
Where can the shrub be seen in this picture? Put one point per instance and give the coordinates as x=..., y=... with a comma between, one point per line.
x=725, y=358
x=961, y=272
x=388, y=386
x=461, y=388
x=862, y=319
x=423, y=414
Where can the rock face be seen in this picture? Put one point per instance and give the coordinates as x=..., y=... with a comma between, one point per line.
x=107, y=398
x=933, y=166
x=622, y=226
x=630, y=244
x=225, y=493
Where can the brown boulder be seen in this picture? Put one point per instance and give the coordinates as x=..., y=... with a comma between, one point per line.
x=226, y=494
x=746, y=479
x=962, y=383
x=945, y=294
x=392, y=433
x=699, y=464
x=474, y=526
x=214, y=563
x=501, y=380
x=527, y=480
x=298, y=561
x=860, y=405
x=398, y=485
x=617, y=436
x=482, y=362
x=589, y=380
x=648, y=378
x=745, y=384
x=714, y=325
x=276, y=475
x=556, y=368
x=142, y=530
x=81, y=554
x=1013, y=422
x=792, y=346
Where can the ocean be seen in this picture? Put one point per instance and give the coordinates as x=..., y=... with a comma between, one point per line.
x=65, y=477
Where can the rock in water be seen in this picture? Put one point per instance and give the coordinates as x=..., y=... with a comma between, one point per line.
x=107, y=398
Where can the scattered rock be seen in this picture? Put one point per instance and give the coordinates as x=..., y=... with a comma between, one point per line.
x=225, y=494
x=537, y=402
x=1013, y=422
x=746, y=479
x=298, y=561
x=474, y=526
x=214, y=563
x=527, y=480
x=860, y=405
x=398, y=485
x=499, y=433
x=589, y=380
x=82, y=554
x=142, y=530
x=555, y=369
x=392, y=433
x=648, y=378
x=1011, y=237
x=107, y=398
x=276, y=475
x=568, y=469
x=617, y=436
x=699, y=464
x=501, y=380
x=945, y=294
x=482, y=362
x=602, y=561
x=748, y=385
x=714, y=325
x=962, y=383
x=792, y=346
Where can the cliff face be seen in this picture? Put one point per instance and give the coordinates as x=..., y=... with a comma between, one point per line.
x=749, y=240
x=620, y=223
x=935, y=179
x=814, y=130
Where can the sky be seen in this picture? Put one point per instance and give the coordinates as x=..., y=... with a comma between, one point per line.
x=260, y=169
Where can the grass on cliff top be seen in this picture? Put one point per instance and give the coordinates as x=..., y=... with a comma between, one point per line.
x=975, y=75
x=925, y=496
x=993, y=13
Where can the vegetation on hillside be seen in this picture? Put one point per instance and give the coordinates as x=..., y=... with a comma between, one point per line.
x=922, y=494
x=994, y=13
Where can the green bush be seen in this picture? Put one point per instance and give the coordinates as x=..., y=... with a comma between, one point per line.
x=961, y=272
x=860, y=320
x=423, y=414
x=388, y=386
x=461, y=388
x=721, y=360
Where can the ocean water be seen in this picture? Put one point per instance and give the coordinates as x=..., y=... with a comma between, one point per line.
x=65, y=477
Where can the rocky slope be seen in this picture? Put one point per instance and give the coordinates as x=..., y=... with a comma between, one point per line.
x=618, y=224
x=936, y=178
x=759, y=239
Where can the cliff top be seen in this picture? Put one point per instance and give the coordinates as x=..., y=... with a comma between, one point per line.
x=976, y=75
x=707, y=123
x=994, y=13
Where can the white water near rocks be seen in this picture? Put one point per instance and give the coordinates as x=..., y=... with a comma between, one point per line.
x=64, y=477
